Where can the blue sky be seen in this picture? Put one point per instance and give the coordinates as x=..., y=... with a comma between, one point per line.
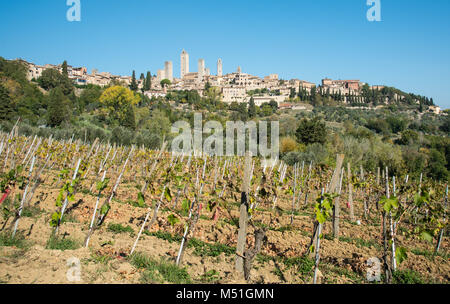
x=309, y=40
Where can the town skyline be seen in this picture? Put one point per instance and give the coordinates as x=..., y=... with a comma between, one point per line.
x=295, y=39
x=239, y=86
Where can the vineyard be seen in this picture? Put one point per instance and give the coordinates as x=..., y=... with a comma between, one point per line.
x=125, y=214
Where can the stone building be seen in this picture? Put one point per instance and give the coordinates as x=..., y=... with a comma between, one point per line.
x=184, y=64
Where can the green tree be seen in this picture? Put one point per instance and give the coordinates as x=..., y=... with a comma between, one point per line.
x=52, y=78
x=408, y=137
x=251, y=108
x=274, y=105
x=445, y=127
x=207, y=86
x=266, y=109
x=148, y=82
x=311, y=131
x=396, y=124
x=64, y=69
x=437, y=165
x=129, y=120
x=133, y=85
x=165, y=83
x=116, y=102
x=89, y=98
x=58, y=108
x=378, y=125
x=6, y=108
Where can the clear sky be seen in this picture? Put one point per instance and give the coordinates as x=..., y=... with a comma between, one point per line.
x=310, y=40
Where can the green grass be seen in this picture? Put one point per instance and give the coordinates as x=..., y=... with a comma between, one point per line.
x=232, y=222
x=69, y=218
x=100, y=259
x=204, y=217
x=164, y=236
x=328, y=270
x=407, y=277
x=118, y=228
x=260, y=224
x=210, y=277
x=62, y=243
x=206, y=249
x=360, y=243
x=159, y=271
x=136, y=204
x=303, y=265
x=200, y=248
x=364, y=243
x=31, y=212
x=429, y=254
x=283, y=229
x=18, y=241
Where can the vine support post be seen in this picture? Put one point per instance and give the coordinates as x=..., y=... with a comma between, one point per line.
x=337, y=209
x=317, y=253
x=441, y=233
x=387, y=268
x=16, y=224
x=392, y=227
x=243, y=217
x=350, y=192
x=294, y=192
x=86, y=243
x=66, y=201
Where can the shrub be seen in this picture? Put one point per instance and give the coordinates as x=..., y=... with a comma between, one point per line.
x=311, y=131
x=288, y=144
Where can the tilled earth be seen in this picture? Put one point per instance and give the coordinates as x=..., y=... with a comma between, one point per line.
x=107, y=258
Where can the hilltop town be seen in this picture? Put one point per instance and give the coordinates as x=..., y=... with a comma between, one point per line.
x=240, y=87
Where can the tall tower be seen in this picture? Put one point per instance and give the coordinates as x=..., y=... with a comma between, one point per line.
x=201, y=69
x=160, y=75
x=219, y=68
x=184, y=64
x=168, y=70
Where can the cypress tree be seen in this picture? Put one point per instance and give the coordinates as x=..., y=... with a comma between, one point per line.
x=58, y=109
x=148, y=81
x=6, y=108
x=64, y=69
x=133, y=85
x=251, y=108
x=129, y=120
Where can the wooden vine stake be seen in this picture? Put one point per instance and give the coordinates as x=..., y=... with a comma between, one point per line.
x=243, y=217
x=350, y=193
x=317, y=254
x=66, y=201
x=387, y=268
x=16, y=224
x=336, y=186
x=441, y=233
x=91, y=227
